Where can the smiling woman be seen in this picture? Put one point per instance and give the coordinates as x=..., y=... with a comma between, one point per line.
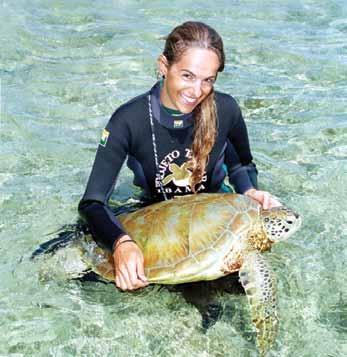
x=189, y=81
x=180, y=137
x=187, y=84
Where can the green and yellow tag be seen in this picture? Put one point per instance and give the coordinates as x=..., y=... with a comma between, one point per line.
x=178, y=124
x=104, y=137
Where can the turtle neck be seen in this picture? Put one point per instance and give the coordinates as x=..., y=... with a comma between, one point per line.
x=163, y=115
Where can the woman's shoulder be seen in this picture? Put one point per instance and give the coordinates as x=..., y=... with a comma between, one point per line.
x=224, y=99
x=227, y=105
x=132, y=107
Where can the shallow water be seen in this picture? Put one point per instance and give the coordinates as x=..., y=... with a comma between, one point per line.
x=65, y=67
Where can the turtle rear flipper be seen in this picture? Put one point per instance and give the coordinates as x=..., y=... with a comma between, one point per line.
x=259, y=283
x=90, y=276
x=65, y=235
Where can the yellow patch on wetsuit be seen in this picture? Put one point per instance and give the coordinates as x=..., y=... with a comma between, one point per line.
x=104, y=137
x=178, y=123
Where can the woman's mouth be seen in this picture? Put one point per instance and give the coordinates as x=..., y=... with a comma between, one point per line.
x=188, y=100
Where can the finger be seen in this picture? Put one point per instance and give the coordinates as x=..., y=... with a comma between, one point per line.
x=141, y=272
x=131, y=269
x=117, y=282
x=116, y=275
x=275, y=202
x=266, y=200
x=122, y=284
x=125, y=276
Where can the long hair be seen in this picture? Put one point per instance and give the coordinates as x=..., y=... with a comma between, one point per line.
x=198, y=35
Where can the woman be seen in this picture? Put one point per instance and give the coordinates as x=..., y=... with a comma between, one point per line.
x=179, y=137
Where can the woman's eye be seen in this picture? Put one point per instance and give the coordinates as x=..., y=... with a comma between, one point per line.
x=210, y=81
x=187, y=76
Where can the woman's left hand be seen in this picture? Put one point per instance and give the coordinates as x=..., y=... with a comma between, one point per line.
x=263, y=197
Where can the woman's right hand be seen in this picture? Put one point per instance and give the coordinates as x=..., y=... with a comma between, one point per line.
x=128, y=263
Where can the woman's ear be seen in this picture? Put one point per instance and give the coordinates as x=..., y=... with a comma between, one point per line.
x=163, y=65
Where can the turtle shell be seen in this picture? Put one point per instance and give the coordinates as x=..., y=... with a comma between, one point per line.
x=188, y=238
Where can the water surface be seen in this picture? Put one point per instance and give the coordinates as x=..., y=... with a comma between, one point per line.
x=66, y=66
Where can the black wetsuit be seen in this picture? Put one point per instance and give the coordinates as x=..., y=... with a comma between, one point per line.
x=128, y=135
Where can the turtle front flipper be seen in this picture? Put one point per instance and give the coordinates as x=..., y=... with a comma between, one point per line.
x=260, y=285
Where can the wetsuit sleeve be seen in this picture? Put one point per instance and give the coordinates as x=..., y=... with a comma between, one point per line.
x=110, y=156
x=238, y=158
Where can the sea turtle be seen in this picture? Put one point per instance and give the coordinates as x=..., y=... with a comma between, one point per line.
x=204, y=237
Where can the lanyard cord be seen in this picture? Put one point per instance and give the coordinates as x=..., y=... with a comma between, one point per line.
x=155, y=149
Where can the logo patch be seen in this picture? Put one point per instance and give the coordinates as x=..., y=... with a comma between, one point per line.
x=104, y=137
x=174, y=177
x=180, y=175
x=178, y=124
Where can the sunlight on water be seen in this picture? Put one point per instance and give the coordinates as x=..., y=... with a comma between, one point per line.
x=66, y=66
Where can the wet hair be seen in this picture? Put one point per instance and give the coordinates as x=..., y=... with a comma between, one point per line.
x=198, y=35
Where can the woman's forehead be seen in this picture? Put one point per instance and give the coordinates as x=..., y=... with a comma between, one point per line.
x=200, y=61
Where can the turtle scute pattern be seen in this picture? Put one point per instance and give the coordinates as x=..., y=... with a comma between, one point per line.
x=183, y=239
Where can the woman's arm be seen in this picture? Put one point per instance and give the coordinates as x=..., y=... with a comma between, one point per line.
x=243, y=172
x=110, y=156
x=241, y=177
x=105, y=228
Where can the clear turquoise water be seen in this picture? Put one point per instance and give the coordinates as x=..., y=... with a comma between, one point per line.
x=65, y=66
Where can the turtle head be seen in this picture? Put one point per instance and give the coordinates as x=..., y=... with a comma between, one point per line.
x=280, y=223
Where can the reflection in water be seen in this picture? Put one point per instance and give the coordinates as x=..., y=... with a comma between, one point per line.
x=335, y=316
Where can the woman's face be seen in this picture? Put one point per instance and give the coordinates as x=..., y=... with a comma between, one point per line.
x=190, y=80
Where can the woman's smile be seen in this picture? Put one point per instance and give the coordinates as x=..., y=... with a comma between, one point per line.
x=189, y=100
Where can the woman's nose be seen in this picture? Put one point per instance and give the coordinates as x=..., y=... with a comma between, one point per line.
x=197, y=88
